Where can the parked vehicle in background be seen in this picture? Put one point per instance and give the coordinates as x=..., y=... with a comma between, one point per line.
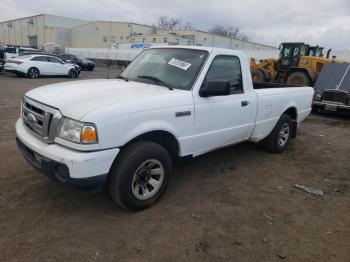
x=8, y=52
x=34, y=66
x=332, y=89
x=84, y=63
x=1, y=66
x=169, y=102
x=2, y=54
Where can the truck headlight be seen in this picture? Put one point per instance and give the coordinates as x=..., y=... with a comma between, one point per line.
x=78, y=132
x=317, y=95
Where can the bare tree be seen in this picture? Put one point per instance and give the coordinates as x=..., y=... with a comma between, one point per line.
x=231, y=32
x=169, y=23
x=165, y=22
x=188, y=26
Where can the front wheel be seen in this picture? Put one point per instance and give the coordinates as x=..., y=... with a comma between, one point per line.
x=140, y=175
x=72, y=73
x=280, y=136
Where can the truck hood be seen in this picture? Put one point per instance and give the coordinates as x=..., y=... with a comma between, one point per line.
x=75, y=99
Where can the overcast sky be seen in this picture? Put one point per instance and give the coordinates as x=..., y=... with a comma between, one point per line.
x=322, y=22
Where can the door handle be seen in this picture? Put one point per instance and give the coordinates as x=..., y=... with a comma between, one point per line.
x=244, y=103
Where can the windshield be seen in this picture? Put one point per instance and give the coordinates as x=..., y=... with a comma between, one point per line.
x=173, y=67
x=11, y=50
x=81, y=58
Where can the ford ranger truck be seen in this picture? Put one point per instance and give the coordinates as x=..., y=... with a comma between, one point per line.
x=170, y=102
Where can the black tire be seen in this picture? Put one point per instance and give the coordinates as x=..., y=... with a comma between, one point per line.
x=72, y=73
x=33, y=72
x=298, y=79
x=273, y=143
x=258, y=75
x=127, y=180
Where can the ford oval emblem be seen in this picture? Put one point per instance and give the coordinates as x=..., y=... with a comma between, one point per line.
x=31, y=118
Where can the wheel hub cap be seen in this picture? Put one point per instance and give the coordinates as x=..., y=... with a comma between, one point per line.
x=284, y=134
x=147, y=179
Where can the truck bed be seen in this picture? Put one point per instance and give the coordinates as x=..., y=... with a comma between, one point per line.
x=261, y=85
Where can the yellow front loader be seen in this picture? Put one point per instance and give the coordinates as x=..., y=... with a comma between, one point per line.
x=298, y=64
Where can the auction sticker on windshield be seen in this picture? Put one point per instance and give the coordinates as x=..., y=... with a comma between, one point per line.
x=178, y=63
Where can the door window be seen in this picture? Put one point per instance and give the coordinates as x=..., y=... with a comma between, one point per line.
x=40, y=59
x=227, y=68
x=296, y=51
x=54, y=60
x=286, y=52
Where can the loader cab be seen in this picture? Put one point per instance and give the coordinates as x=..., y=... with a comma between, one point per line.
x=290, y=55
x=315, y=51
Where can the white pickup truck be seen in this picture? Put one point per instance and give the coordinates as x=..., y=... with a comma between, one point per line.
x=170, y=102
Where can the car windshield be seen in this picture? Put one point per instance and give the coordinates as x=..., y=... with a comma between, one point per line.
x=172, y=67
x=11, y=50
x=81, y=58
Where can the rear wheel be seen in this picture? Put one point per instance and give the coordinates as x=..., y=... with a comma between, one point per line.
x=258, y=75
x=280, y=136
x=298, y=79
x=33, y=72
x=140, y=175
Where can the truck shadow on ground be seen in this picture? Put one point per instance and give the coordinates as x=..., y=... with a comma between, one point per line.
x=63, y=200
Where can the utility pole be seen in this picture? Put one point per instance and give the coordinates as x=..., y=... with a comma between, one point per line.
x=109, y=45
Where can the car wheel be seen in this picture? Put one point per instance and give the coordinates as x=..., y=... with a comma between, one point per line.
x=279, y=138
x=140, y=175
x=72, y=73
x=33, y=72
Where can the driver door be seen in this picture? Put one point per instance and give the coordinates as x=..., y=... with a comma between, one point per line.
x=222, y=120
x=57, y=67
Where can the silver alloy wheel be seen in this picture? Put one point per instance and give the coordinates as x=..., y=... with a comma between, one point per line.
x=147, y=179
x=72, y=73
x=33, y=73
x=284, y=134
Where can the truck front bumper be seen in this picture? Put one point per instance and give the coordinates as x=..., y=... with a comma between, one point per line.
x=85, y=170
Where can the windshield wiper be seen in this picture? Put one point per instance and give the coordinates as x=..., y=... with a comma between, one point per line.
x=122, y=77
x=157, y=80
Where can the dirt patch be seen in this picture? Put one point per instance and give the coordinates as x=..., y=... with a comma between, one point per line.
x=234, y=204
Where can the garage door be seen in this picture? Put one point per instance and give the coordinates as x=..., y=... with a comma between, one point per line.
x=33, y=41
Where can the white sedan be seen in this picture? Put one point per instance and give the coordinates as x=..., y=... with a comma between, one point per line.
x=34, y=66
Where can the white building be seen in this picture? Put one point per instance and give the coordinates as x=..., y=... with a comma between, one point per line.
x=201, y=38
x=105, y=34
x=35, y=31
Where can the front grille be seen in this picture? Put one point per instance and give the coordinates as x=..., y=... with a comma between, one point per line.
x=40, y=119
x=335, y=96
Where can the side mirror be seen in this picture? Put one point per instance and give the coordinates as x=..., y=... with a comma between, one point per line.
x=215, y=88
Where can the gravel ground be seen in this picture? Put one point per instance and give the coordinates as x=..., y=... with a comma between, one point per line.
x=234, y=204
